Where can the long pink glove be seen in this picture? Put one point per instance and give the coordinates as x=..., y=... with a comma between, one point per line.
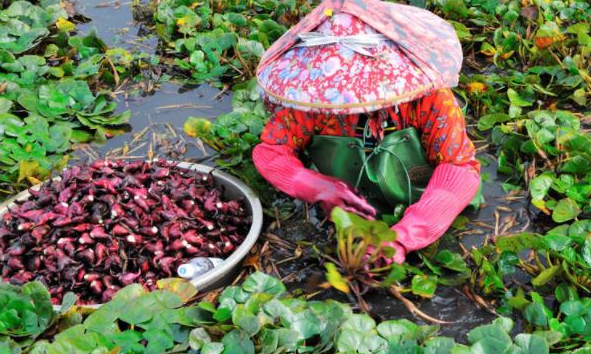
x=449, y=191
x=279, y=165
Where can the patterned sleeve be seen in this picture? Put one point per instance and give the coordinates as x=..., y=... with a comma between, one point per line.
x=441, y=123
x=289, y=127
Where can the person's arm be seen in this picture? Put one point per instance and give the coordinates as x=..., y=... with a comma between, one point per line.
x=276, y=158
x=455, y=180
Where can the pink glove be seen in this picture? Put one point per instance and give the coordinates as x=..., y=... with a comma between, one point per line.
x=449, y=191
x=314, y=187
x=399, y=256
x=279, y=165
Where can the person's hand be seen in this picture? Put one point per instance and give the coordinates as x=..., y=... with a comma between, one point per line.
x=400, y=255
x=401, y=251
x=411, y=235
x=382, y=260
x=329, y=192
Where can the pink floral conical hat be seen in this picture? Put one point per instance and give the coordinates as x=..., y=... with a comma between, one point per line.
x=371, y=55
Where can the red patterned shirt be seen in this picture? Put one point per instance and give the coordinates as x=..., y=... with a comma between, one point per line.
x=437, y=117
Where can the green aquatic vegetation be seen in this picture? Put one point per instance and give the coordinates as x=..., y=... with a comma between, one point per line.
x=233, y=134
x=561, y=255
x=540, y=147
x=25, y=313
x=537, y=49
x=555, y=268
x=568, y=322
x=134, y=321
x=359, y=264
x=24, y=25
x=30, y=149
x=257, y=316
x=222, y=40
x=54, y=90
x=359, y=245
x=552, y=152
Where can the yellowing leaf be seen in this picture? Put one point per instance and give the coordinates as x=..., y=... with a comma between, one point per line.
x=476, y=87
x=541, y=204
x=111, y=132
x=335, y=278
x=64, y=25
x=178, y=286
x=30, y=169
x=507, y=55
x=197, y=127
x=33, y=180
x=487, y=49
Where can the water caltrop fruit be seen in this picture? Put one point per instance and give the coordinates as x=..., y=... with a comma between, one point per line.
x=108, y=224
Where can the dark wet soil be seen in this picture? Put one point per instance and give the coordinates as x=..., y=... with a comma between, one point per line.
x=156, y=127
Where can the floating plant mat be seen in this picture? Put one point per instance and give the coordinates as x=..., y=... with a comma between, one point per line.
x=109, y=224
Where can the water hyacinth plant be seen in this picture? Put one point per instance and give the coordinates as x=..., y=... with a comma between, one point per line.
x=54, y=90
x=221, y=40
x=258, y=316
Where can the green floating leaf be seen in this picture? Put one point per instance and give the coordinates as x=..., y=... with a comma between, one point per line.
x=397, y=274
x=197, y=127
x=536, y=315
x=532, y=344
x=490, y=120
x=237, y=342
x=5, y=105
x=261, y=282
x=424, y=286
x=517, y=100
x=566, y=209
x=452, y=260
x=68, y=301
x=540, y=185
x=491, y=339
x=462, y=31
x=362, y=323
x=350, y=340
x=399, y=328
x=212, y=348
x=180, y=287
x=246, y=320
x=547, y=275
x=198, y=338
x=519, y=242
x=439, y=345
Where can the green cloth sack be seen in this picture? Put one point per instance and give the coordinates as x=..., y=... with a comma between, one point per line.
x=395, y=171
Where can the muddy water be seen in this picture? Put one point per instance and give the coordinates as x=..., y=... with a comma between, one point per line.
x=167, y=108
x=114, y=23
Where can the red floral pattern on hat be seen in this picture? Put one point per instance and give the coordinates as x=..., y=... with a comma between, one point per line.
x=424, y=54
x=334, y=78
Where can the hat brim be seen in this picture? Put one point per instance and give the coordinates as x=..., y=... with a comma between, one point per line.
x=333, y=78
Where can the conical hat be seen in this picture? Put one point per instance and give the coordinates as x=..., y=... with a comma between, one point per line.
x=375, y=55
